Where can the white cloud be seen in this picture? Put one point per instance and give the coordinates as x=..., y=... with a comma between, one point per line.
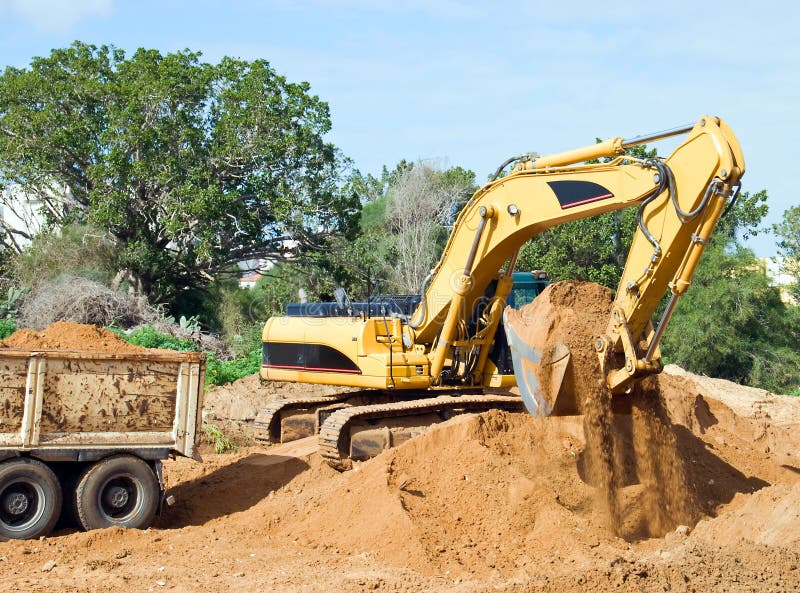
x=56, y=16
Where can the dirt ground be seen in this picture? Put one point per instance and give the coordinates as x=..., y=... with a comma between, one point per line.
x=704, y=496
x=483, y=502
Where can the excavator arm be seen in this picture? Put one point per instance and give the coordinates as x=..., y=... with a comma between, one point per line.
x=424, y=367
x=445, y=343
x=679, y=201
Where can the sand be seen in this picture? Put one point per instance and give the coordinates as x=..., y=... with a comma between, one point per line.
x=66, y=335
x=707, y=491
x=495, y=501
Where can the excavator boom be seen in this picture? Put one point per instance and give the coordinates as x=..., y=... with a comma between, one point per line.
x=680, y=200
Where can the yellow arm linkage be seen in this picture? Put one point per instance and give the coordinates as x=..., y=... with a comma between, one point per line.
x=698, y=177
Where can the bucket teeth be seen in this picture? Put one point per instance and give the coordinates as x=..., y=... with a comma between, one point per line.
x=540, y=372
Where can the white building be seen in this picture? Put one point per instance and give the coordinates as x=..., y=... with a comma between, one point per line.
x=21, y=216
x=775, y=269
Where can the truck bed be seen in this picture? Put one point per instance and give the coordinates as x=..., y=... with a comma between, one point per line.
x=65, y=405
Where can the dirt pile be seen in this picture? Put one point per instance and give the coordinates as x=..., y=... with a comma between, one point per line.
x=241, y=400
x=65, y=335
x=498, y=501
x=488, y=494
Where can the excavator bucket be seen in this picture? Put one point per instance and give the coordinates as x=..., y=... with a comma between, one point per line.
x=540, y=368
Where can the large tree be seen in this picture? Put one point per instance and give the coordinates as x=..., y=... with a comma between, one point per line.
x=732, y=324
x=191, y=166
x=406, y=218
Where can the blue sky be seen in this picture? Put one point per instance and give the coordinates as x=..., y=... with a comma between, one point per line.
x=471, y=83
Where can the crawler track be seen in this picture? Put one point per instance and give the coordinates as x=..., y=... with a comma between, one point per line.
x=267, y=426
x=334, y=432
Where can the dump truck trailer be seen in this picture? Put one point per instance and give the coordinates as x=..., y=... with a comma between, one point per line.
x=85, y=432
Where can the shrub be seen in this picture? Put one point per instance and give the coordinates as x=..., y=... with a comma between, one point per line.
x=7, y=327
x=222, y=444
x=220, y=372
x=78, y=299
x=148, y=337
x=75, y=250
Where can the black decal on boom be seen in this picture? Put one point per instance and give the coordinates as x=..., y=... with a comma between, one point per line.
x=575, y=193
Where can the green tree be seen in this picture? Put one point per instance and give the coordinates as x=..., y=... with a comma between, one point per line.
x=592, y=249
x=788, y=232
x=191, y=166
x=732, y=324
x=405, y=219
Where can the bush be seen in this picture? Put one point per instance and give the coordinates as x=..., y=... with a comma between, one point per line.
x=149, y=337
x=241, y=315
x=222, y=444
x=7, y=327
x=75, y=250
x=220, y=372
x=81, y=300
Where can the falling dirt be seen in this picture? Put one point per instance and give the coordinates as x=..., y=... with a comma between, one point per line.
x=706, y=486
x=628, y=440
x=66, y=335
x=575, y=314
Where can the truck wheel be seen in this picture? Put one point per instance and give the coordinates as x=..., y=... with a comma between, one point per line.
x=30, y=499
x=120, y=490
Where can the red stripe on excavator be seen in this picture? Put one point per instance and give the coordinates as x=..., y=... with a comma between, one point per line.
x=586, y=201
x=298, y=368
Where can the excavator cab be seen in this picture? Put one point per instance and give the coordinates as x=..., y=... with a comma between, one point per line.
x=527, y=286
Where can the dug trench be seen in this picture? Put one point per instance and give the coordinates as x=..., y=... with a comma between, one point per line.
x=696, y=488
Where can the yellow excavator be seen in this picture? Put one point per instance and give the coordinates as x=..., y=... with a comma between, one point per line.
x=417, y=360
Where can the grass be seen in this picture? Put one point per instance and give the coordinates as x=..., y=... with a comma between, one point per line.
x=222, y=444
x=7, y=327
x=218, y=372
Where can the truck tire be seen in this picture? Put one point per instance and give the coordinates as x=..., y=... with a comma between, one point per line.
x=30, y=499
x=117, y=491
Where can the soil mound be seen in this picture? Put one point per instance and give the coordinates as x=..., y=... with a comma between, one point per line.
x=65, y=335
x=479, y=494
x=508, y=496
x=241, y=400
x=771, y=517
